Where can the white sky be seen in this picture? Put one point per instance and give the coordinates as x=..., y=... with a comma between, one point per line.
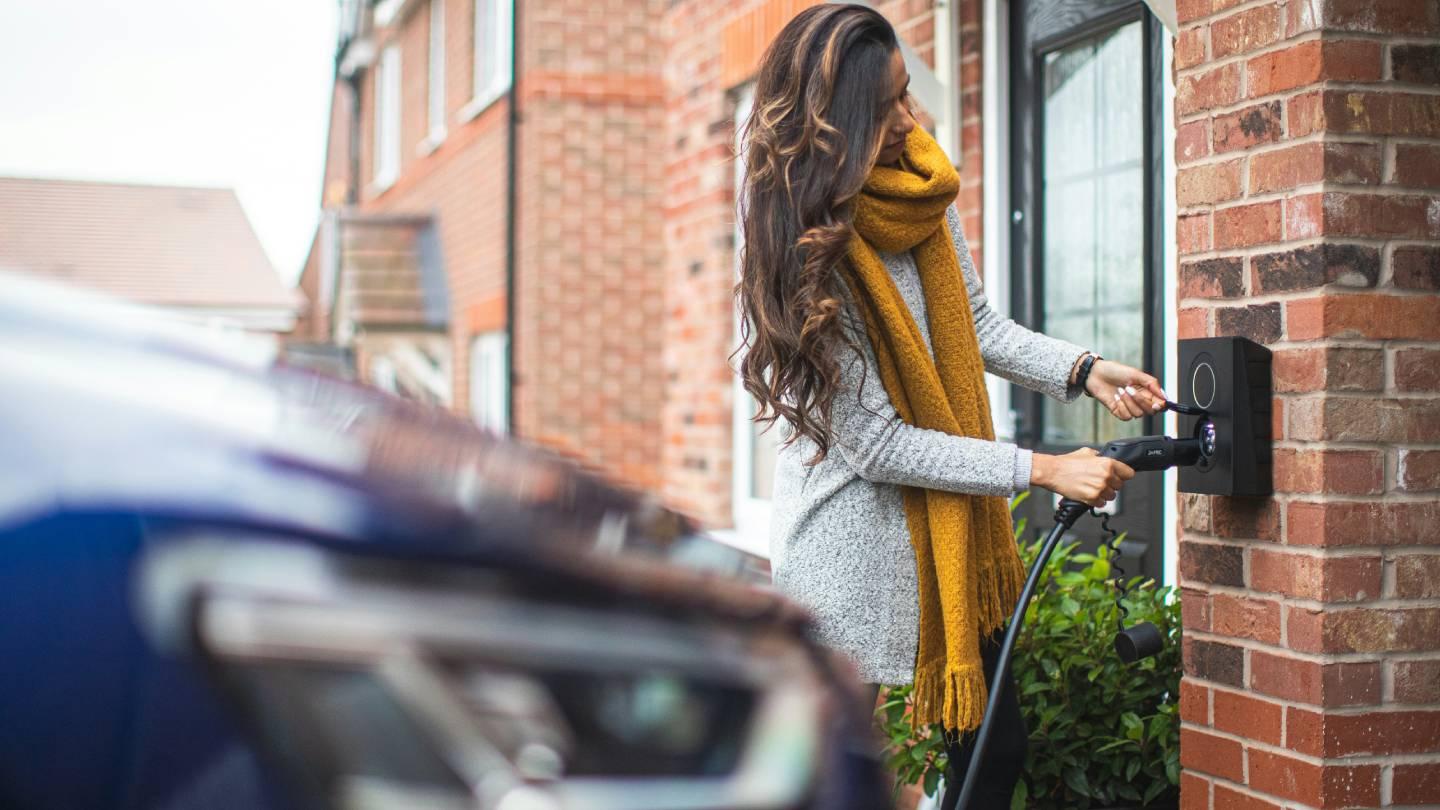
x=231, y=93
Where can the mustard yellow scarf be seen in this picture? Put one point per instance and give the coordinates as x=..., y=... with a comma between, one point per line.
x=965, y=558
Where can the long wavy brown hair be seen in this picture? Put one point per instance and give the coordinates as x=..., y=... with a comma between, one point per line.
x=814, y=132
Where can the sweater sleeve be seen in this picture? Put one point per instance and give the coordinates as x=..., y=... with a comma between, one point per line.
x=879, y=446
x=1026, y=358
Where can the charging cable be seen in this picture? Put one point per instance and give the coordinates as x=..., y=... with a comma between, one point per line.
x=1142, y=454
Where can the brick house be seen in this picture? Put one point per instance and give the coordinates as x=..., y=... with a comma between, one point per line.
x=1269, y=171
x=419, y=151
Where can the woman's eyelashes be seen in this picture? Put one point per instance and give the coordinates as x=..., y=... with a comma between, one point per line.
x=906, y=102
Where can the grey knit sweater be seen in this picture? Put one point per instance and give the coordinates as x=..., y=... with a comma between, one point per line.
x=839, y=544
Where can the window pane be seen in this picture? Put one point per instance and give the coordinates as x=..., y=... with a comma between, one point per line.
x=1093, y=203
x=437, y=65
x=484, y=45
x=492, y=47
x=488, y=381
x=387, y=117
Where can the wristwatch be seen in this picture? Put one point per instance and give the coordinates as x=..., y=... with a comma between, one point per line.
x=1084, y=373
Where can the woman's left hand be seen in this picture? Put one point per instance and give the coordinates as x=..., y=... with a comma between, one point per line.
x=1128, y=392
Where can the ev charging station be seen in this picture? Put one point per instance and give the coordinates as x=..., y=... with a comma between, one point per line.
x=1224, y=448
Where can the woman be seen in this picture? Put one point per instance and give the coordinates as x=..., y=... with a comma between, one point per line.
x=867, y=334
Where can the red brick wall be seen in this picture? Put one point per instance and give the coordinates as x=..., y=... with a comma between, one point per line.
x=969, y=51
x=590, y=170
x=591, y=173
x=698, y=264
x=337, y=147
x=415, y=94
x=699, y=227
x=1309, y=219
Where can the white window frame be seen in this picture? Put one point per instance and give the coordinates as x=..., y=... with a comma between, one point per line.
x=490, y=56
x=1170, y=284
x=435, y=90
x=387, y=118
x=752, y=515
x=387, y=10
x=489, y=378
x=995, y=239
x=350, y=18
x=382, y=375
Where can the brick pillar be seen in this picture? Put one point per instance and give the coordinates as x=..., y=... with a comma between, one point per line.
x=1308, y=144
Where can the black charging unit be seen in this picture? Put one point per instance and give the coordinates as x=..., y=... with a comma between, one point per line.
x=1228, y=379
x=1224, y=448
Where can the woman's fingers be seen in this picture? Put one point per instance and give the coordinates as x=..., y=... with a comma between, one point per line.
x=1118, y=410
x=1134, y=393
x=1152, y=387
x=1146, y=389
x=1088, y=479
x=1131, y=403
x=1126, y=406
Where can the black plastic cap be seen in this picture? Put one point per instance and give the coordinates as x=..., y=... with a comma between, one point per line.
x=1141, y=641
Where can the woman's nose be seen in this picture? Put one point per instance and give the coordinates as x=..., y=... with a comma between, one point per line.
x=903, y=125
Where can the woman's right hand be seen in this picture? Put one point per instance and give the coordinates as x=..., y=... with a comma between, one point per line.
x=1080, y=476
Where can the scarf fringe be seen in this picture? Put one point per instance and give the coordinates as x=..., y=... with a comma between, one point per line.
x=1000, y=585
x=955, y=698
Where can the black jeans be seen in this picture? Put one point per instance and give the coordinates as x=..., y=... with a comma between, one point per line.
x=1004, y=753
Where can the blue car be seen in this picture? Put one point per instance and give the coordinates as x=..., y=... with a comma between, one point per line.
x=230, y=583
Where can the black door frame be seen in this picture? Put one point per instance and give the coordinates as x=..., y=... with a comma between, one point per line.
x=1055, y=24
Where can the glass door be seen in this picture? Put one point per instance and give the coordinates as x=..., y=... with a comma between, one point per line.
x=1085, y=226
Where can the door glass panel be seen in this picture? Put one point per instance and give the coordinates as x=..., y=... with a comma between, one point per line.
x=1092, y=190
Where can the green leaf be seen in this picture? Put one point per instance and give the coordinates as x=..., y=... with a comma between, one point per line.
x=1075, y=778
x=1134, y=729
x=1159, y=725
x=1021, y=795
x=932, y=781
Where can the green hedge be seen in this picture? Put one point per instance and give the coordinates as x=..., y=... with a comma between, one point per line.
x=1102, y=734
